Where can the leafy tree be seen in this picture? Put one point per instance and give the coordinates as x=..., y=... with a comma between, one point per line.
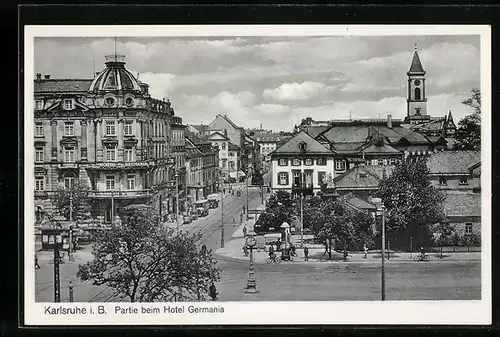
x=412, y=203
x=142, y=261
x=280, y=207
x=77, y=196
x=468, y=135
x=443, y=234
x=363, y=230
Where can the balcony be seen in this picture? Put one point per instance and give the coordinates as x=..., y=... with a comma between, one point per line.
x=134, y=194
x=302, y=187
x=137, y=165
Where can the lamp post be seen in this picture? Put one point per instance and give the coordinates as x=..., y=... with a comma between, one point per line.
x=251, y=241
x=301, y=221
x=382, y=211
x=57, y=279
x=71, y=226
x=177, y=199
x=221, y=212
x=248, y=172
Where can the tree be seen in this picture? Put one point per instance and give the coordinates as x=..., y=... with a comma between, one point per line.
x=144, y=262
x=468, y=135
x=77, y=196
x=443, y=235
x=280, y=207
x=363, y=230
x=412, y=203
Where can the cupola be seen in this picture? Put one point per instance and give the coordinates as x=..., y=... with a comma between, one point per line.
x=115, y=77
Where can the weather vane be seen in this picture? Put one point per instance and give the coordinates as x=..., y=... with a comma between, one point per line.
x=415, y=46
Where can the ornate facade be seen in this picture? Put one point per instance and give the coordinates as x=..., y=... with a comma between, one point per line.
x=107, y=132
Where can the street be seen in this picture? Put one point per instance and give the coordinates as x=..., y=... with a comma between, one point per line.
x=337, y=281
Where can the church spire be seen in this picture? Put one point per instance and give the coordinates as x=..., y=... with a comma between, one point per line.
x=416, y=65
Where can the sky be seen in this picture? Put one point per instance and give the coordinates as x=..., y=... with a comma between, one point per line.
x=278, y=81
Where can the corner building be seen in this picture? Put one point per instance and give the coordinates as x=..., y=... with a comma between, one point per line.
x=107, y=132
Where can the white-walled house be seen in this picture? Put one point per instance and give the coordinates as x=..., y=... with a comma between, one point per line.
x=221, y=142
x=301, y=165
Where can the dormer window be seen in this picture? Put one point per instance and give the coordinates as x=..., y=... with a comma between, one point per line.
x=129, y=101
x=68, y=104
x=302, y=146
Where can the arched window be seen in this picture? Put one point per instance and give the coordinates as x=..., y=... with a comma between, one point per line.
x=417, y=94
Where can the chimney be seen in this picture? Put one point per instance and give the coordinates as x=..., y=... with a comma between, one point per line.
x=47, y=77
x=38, y=76
x=389, y=121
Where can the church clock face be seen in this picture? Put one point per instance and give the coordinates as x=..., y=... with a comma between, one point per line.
x=417, y=82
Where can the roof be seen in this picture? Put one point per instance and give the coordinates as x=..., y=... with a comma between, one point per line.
x=463, y=204
x=269, y=137
x=229, y=121
x=292, y=145
x=217, y=133
x=362, y=177
x=201, y=127
x=416, y=65
x=346, y=133
x=314, y=131
x=197, y=140
x=379, y=147
x=452, y=162
x=62, y=85
x=358, y=202
x=232, y=147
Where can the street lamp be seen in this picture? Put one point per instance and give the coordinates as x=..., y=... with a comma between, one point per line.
x=301, y=221
x=381, y=211
x=177, y=199
x=251, y=241
x=221, y=210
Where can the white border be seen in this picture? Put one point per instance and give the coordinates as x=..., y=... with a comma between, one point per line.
x=344, y=312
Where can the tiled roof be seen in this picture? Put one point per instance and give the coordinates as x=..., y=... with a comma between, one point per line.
x=416, y=65
x=347, y=147
x=269, y=137
x=463, y=204
x=346, y=133
x=292, y=145
x=435, y=125
x=200, y=128
x=452, y=161
x=314, y=131
x=232, y=147
x=62, y=85
x=376, y=147
x=362, y=176
x=197, y=140
x=359, y=203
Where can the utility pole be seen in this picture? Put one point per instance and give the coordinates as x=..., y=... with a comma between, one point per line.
x=301, y=221
x=71, y=225
x=383, y=253
x=57, y=279
x=177, y=200
x=248, y=170
x=221, y=212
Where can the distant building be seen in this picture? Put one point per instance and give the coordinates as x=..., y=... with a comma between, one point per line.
x=301, y=165
x=268, y=142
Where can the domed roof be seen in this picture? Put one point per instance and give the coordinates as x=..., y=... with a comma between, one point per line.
x=114, y=77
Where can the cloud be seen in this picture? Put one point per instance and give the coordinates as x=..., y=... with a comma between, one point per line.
x=295, y=91
x=160, y=85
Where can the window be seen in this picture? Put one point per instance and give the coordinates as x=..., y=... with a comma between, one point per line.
x=231, y=154
x=131, y=182
x=129, y=155
x=392, y=161
x=309, y=179
x=223, y=146
x=110, y=128
x=442, y=181
x=468, y=228
x=283, y=162
x=321, y=177
x=110, y=153
x=69, y=129
x=110, y=183
x=417, y=112
x=39, y=183
x=283, y=178
x=68, y=104
x=109, y=101
x=231, y=164
x=296, y=162
x=224, y=164
x=417, y=94
x=308, y=162
x=69, y=154
x=380, y=162
x=129, y=128
x=321, y=161
x=39, y=105
x=362, y=176
x=129, y=101
x=339, y=165
x=296, y=178
x=38, y=129
x=39, y=154
x=463, y=181
x=69, y=182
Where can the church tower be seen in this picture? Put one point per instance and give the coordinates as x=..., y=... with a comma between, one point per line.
x=417, y=99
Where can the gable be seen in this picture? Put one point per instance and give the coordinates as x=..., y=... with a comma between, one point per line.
x=302, y=143
x=357, y=178
x=380, y=146
x=217, y=136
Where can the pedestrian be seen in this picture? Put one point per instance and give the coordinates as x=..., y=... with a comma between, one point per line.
x=37, y=266
x=241, y=217
x=326, y=249
x=204, y=249
x=224, y=190
x=306, y=253
x=245, y=231
x=422, y=252
x=365, y=249
x=213, y=292
x=271, y=251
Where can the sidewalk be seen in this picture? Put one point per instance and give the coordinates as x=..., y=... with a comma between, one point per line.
x=234, y=250
x=82, y=255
